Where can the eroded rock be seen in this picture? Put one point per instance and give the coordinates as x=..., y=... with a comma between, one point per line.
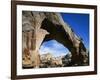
x=39, y=27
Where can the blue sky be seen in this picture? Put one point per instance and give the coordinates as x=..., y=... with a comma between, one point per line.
x=80, y=25
x=54, y=48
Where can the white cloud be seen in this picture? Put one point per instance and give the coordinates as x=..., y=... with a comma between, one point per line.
x=54, y=48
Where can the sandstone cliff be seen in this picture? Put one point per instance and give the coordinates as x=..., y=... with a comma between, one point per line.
x=39, y=27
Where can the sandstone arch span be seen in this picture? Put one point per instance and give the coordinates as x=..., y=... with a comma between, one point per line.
x=39, y=27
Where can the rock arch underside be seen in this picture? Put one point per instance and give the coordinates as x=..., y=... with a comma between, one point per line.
x=38, y=27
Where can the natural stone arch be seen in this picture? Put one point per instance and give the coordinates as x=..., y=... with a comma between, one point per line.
x=44, y=26
x=58, y=33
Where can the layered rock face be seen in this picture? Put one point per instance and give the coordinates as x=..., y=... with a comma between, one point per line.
x=38, y=27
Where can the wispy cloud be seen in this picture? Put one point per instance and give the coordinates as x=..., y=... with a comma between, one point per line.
x=54, y=48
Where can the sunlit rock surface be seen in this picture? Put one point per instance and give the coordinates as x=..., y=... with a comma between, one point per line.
x=38, y=27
